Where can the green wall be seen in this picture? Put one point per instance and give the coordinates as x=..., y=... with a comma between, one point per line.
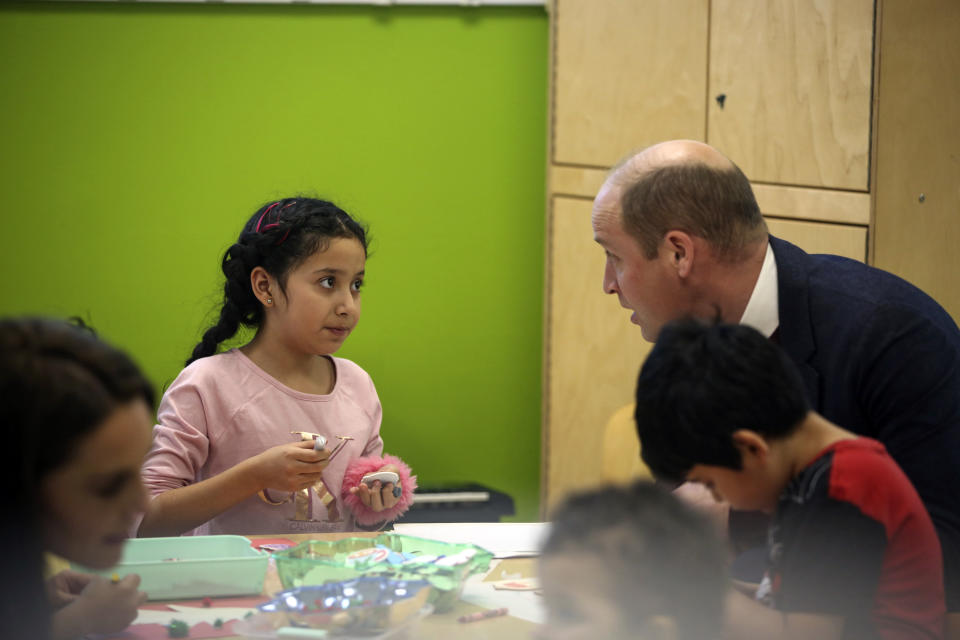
x=136, y=139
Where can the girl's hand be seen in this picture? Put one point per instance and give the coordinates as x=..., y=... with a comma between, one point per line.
x=65, y=587
x=101, y=607
x=379, y=496
x=290, y=467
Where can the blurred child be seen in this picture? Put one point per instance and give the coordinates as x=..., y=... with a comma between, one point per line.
x=633, y=563
x=75, y=417
x=234, y=449
x=852, y=552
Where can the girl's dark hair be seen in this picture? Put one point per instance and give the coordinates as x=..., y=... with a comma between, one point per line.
x=58, y=383
x=279, y=236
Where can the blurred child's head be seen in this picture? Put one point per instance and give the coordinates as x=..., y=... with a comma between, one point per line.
x=283, y=245
x=76, y=416
x=712, y=397
x=631, y=562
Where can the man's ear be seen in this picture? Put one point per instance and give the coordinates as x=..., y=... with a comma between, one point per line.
x=679, y=249
x=750, y=443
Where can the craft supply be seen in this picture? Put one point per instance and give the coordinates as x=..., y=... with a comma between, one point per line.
x=517, y=584
x=445, y=566
x=178, y=629
x=483, y=615
x=340, y=445
x=302, y=503
x=212, y=566
x=385, y=477
x=307, y=436
x=295, y=633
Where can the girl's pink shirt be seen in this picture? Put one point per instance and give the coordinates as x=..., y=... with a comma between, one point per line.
x=224, y=409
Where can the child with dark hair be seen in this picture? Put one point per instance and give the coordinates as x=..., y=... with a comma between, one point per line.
x=852, y=552
x=631, y=562
x=223, y=459
x=76, y=421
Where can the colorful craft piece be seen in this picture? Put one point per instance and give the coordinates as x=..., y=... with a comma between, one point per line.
x=444, y=565
x=178, y=629
x=356, y=607
x=483, y=615
x=302, y=502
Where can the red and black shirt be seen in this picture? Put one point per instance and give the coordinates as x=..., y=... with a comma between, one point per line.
x=851, y=537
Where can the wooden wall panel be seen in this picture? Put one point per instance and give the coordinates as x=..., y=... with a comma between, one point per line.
x=828, y=205
x=814, y=237
x=917, y=192
x=575, y=181
x=797, y=81
x=593, y=352
x=628, y=73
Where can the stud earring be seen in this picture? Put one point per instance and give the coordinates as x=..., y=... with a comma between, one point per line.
x=269, y=300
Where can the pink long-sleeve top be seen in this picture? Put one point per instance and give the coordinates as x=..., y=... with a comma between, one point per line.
x=224, y=409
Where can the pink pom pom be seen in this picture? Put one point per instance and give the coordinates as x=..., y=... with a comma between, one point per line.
x=360, y=467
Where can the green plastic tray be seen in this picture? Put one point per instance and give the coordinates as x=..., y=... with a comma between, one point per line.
x=319, y=562
x=192, y=566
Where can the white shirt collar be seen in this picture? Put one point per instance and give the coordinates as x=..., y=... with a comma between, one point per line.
x=763, y=311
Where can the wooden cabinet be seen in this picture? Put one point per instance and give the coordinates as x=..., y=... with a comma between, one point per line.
x=817, y=237
x=789, y=96
x=916, y=161
x=615, y=92
x=595, y=355
x=845, y=114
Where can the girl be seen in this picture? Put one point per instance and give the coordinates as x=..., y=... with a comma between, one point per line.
x=239, y=447
x=75, y=419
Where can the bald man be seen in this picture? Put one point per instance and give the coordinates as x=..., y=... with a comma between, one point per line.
x=684, y=236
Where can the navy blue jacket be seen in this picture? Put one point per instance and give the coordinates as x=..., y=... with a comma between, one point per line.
x=881, y=358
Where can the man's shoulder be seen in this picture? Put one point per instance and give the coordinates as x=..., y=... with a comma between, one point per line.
x=838, y=275
x=848, y=292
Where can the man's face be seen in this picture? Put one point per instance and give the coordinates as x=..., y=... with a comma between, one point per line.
x=648, y=287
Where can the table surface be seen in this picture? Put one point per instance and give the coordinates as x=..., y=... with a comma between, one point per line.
x=439, y=626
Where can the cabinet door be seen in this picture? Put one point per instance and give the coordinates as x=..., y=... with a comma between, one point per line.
x=593, y=354
x=790, y=85
x=917, y=184
x=627, y=74
x=845, y=240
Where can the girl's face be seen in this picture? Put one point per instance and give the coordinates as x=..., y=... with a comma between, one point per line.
x=90, y=503
x=322, y=302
